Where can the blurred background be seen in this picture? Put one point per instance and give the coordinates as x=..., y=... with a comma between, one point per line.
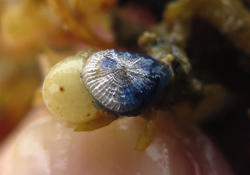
x=35, y=34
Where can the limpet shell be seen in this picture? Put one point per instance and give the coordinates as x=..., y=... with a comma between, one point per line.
x=124, y=82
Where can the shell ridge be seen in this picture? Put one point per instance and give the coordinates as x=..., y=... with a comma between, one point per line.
x=124, y=82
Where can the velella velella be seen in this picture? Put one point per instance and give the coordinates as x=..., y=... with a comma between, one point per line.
x=124, y=82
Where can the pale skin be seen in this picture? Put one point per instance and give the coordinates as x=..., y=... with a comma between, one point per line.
x=43, y=145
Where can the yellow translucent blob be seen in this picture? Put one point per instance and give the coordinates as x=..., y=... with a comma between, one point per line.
x=65, y=95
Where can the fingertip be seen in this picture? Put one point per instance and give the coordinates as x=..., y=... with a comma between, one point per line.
x=45, y=146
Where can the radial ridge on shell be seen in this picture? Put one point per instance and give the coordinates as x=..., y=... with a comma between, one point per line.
x=124, y=82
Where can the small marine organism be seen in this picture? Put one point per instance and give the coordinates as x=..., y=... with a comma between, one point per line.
x=91, y=89
x=124, y=82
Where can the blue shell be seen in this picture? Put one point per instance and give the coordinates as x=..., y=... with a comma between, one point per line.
x=124, y=82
